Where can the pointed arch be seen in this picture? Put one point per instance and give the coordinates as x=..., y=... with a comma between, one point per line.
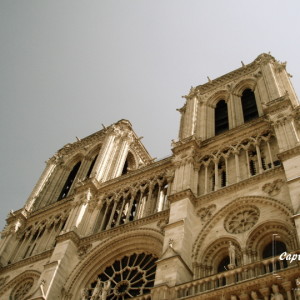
x=137, y=241
x=221, y=117
x=19, y=279
x=239, y=202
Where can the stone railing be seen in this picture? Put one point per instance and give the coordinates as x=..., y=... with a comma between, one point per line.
x=237, y=275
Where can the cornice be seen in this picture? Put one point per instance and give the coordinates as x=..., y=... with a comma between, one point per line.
x=27, y=261
x=98, y=136
x=18, y=214
x=125, y=227
x=181, y=195
x=72, y=147
x=70, y=235
x=277, y=105
x=244, y=70
x=238, y=134
x=51, y=209
x=289, y=153
x=186, y=143
x=136, y=175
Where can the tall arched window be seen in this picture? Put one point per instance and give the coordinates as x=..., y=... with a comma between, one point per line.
x=221, y=117
x=129, y=164
x=222, y=267
x=249, y=106
x=91, y=167
x=65, y=190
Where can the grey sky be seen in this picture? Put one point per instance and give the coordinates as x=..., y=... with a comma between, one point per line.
x=68, y=66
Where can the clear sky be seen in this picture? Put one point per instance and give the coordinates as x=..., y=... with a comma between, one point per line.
x=66, y=67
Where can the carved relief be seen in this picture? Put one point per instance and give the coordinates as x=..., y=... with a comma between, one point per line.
x=134, y=276
x=273, y=188
x=21, y=290
x=3, y=280
x=205, y=213
x=83, y=250
x=162, y=224
x=241, y=220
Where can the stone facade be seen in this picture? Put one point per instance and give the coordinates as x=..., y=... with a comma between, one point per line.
x=106, y=221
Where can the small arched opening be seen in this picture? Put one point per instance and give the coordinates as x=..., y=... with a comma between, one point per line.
x=221, y=117
x=249, y=106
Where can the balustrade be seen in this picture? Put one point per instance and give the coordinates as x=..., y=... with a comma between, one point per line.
x=237, y=275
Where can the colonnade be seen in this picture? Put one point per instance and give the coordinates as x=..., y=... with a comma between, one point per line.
x=238, y=162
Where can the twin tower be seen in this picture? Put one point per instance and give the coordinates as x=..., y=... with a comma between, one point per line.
x=105, y=221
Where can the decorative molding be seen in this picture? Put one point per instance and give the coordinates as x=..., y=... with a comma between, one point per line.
x=241, y=220
x=273, y=188
x=181, y=195
x=3, y=280
x=132, y=241
x=19, y=279
x=121, y=229
x=70, y=235
x=205, y=213
x=241, y=201
x=241, y=185
x=236, y=74
x=27, y=261
x=289, y=153
x=84, y=250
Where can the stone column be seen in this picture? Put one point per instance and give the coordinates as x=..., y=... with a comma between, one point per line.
x=237, y=166
x=260, y=168
x=287, y=285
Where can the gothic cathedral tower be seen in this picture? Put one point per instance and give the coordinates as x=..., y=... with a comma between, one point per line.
x=218, y=219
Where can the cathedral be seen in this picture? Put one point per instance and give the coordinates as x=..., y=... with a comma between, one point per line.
x=219, y=219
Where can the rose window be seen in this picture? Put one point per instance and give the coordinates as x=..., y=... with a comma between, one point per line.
x=241, y=220
x=21, y=291
x=126, y=278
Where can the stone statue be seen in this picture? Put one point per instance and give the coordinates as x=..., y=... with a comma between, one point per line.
x=254, y=296
x=84, y=294
x=276, y=295
x=105, y=290
x=97, y=290
x=297, y=289
x=231, y=250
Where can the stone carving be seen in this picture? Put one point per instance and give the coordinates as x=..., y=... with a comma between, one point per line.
x=242, y=220
x=276, y=295
x=83, y=250
x=231, y=252
x=3, y=280
x=297, y=289
x=84, y=294
x=22, y=289
x=254, y=296
x=101, y=290
x=205, y=213
x=105, y=290
x=134, y=277
x=97, y=290
x=273, y=188
x=162, y=224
